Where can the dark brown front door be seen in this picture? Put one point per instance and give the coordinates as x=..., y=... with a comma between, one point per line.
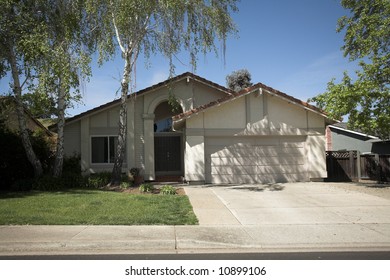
x=168, y=154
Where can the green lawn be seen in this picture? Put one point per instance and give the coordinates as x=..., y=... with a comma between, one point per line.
x=94, y=207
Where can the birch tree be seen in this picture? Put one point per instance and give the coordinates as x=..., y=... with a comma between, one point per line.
x=66, y=62
x=45, y=43
x=21, y=32
x=158, y=26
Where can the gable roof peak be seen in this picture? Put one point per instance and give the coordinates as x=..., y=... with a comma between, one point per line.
x=167, y=82
x=248, y=90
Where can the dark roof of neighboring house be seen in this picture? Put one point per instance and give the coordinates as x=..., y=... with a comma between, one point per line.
x=258, y=86
x=344, y=127
x=28, y=114
x=153, y=87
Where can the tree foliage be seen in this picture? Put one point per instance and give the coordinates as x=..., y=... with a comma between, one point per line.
x=239, y=80
x=161, y=26
x=21, y=46
x=66, y=62
x=367, y=98
x=46, y=46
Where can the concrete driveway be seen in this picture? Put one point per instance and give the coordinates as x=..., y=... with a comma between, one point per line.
x=302, y=214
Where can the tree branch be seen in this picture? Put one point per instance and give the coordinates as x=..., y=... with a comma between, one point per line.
x=116, y=29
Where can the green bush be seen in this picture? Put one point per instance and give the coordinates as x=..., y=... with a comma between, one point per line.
x=48, y=183
x=16, y=171
x=72, y=164
x=98, y=180
x=146, y=188
x=70, y=180
x=125, y=185
x=22, y=185
x=168, y=190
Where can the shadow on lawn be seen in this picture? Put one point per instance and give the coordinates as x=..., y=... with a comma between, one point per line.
x=10, y=194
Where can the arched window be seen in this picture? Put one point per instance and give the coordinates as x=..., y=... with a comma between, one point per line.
x=163, y=117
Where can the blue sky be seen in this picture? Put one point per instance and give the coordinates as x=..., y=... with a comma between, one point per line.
x=291, y=46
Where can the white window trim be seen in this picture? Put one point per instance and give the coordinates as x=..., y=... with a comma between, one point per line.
x=108, y=149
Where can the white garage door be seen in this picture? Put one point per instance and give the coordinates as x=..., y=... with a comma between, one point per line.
x=255, y=159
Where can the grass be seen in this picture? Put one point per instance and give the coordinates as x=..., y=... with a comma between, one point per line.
x=94, y=207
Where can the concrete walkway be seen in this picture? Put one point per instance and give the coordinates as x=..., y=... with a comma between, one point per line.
x=256, y=218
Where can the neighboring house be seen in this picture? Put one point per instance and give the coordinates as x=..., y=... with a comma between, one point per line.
x=219, y=136
x=339, y=138
x=10, y=118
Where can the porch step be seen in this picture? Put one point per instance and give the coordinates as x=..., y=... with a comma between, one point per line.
x=169, y=178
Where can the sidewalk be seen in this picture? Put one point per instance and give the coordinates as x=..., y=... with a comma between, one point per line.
x=219, y=230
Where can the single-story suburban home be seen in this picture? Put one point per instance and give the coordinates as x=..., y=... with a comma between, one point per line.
x=340, y=138
x=257, y=135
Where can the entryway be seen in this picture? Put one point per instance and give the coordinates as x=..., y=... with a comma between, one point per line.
x=168, y=145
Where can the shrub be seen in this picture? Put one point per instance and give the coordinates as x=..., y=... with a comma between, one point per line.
x=146, y=188
x=14, y=165
x=98, y=180
x=72, y=164
x=48, y=183
x=70, y=180
x=125, y=185
x=22, y=185
x=168, y=190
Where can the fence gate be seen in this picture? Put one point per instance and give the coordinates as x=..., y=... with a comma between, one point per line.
x=341, y=166
x=347, y=166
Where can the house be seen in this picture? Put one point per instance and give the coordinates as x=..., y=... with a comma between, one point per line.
x=9, y=117
x=218, y=136
x=339, y=137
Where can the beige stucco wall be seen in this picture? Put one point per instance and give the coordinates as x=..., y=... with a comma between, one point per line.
x=194, y=158
x=228, y=115
x=72, y=139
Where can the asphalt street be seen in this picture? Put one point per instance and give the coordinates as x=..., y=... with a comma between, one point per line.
x=368, y=255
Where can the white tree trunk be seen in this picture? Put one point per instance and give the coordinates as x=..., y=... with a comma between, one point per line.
x=121, y=147
x=31, y=156
x=57, y=170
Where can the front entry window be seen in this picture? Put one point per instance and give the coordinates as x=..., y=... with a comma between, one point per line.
x=164, y=125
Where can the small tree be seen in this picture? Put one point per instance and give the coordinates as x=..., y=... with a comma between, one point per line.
x=159, y=26
x=239, y=80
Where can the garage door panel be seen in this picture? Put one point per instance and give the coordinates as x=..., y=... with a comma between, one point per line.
x=260, y=161
x=291, y=151
x=288, y=160
x=230, y=170
x=287, y=169
x=256, y=159
x=216, y=161
x=234, y=179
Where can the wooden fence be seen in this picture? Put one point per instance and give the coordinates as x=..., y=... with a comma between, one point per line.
x=353, y=166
